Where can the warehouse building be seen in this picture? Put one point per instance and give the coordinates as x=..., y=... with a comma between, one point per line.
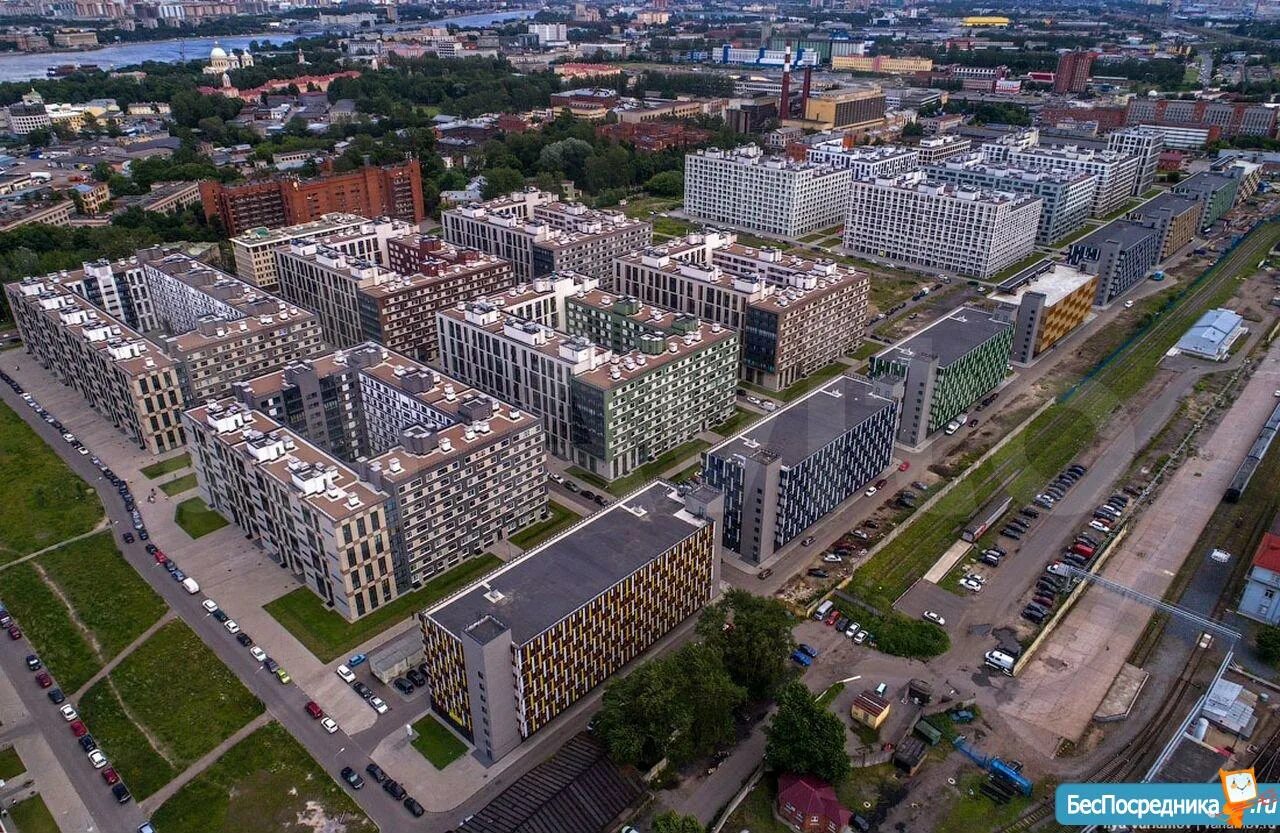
x=1052, y=300
x=1213, y=335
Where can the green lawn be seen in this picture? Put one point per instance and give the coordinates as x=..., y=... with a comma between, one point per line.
x=687, y=473
x=163, y=467
x=182, y=484
x=32, y=816
x=741, y=419
x=130, y=751
x=188, y=713
x=539, y=531
x=47, y=624
x=436, y=743
x=649, y=471
x=816, y=379
x=638, y=208
x=976, y=812
x=1084, y=231
x=665, y=227
x=329, y=636
x=42, y=501
x=108, y=595
x=1009, y=271
x=10, y=763
x=866, y=350
x=1125, y=209
x=755, y=813
x=197, y=519
x=266, y=783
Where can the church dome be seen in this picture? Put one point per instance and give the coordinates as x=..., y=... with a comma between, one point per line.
x=217, y=52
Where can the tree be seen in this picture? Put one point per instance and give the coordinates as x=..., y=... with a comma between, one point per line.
x=912, y=128
x=756, y=648
x=1268, y=643
x=666, y=184
x=805, y=738
x=102, y=171
x=671, y=822
x=567, y=156
x=499, y=181
x=41, y=137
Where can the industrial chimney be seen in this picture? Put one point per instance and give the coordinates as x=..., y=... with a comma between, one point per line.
x=804, y=91
x=784, y=102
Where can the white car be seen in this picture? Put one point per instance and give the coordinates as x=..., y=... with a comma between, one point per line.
x=329, y=725
x=1100, y=526
x=68, y=712
x=97, y=759
x=871, y=490
x=82, y=450
x=555, y=478
x=754, y=400
x=970, y=585
x=209, y=605
x=378, y=704
x=930, y=616
x=832, y=558
x=852, y=630
x=257, y=653
x=231, y=626
x=1128, y=304
x=769, y=405
x=344, y=674
x=860, y=637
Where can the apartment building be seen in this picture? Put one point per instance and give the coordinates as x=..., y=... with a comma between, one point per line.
x=1121, y=253
x=865, y=161
x=539, y=234
x=1052, y=299
x=254, y=250
x=933, y=150
x=796, y=466
x=510, y=653
x=124, y=377
x=606, y=411
x=795, y=315
x=117, y=287
x=774, y=195
x=1072, y=75
x=1117, y=172
x=400, y=436
x=1176, y=218
x=1215, y=191
x=937, y=225
x=1146, y=143
x=222, y=330
x=1066, y=197
x=1230, y=118
x=391, y=190
x=945, y=368
x=358, y=300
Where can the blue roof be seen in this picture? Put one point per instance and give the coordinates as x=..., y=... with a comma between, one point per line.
x=1211, y=333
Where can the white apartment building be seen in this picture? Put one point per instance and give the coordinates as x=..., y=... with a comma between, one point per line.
x=931, y=225
x=254, y=250
x=1117, y=172
x=774, y=195
x=865, y=161
x=934, y=149
x=1144, y=142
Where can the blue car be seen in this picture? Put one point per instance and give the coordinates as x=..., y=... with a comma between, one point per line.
x=802, y=659
x=356, y=660
x=178, y=575
x=808, y=649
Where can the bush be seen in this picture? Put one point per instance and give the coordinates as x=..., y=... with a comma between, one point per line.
x=903, y=637
x=1268, y=643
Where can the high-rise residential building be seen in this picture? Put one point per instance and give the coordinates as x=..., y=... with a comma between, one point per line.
x=1177, y=218
x=864, y=160
x=796, y=466
x=123, y=376
x=1230, y=119
x=945, y=368
x=1073, y=71
x=539, y=234
x=1116, y=171
x=933, y=150
x=1216, y=191
x=1121, y=253
x=300, y=456
x=796, y=315
x=934, y=225
x=222, y=330
x=254, y=250
x=508, y=654
x=391, y=190
x=1146, y=143
x=775, y=195
x=1066, y=196
x=1052, y=300
x=358, y=300
x=607, y=411
x=1248, y=173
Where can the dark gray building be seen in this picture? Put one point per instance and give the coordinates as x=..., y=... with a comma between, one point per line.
x=790, y=470
x=1120, y=254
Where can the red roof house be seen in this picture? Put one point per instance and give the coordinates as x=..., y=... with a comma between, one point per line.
x=810, y=805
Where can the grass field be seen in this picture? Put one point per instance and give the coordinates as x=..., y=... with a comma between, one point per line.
x=665, y=228
x=163, y=467
x=1067, y=240
x=649, y=471
x=1057, y=435
x=755, y=813
x=32, y=816
x=264, y=784
x=1010, y=271
x=187, y=714
x=177, y=486
x=10, y=763
x=42, y=501
x=436, y=743
x=741, y=419
x=47, y=624
x=197, y=519
x=535, y=533
x=108, y=595
x=131, y=753
x=328, y=635
x=866, y=350
x=814, y=380
x=970, y=810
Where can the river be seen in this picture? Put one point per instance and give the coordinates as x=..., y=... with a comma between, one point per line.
x=24, y=66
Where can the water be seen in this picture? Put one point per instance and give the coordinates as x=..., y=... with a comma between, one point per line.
x=20, y=66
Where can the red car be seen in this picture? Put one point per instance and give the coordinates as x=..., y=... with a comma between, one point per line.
x=110, y=776
x=831, y=617
x=79, y=729
x=15, y=632
x=44, y=679
x=160, y=557
x=314, y=710
x=904, y=465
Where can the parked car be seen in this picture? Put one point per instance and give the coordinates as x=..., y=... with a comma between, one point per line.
x=79, y=729
x=244, y=639
x=816, y=572
x=355, y=660
x=414, y=808
x=362, y=689
x=56, y=696
x=283, y=676
x=312, y=708
x=378, y=704
x=931, y=616
x=808, y=649
x=33, y=662
x=402, y=685
x=209, y=605
x=832, y=558
x=329, y=725
x=353, y=778
x=375, y=772
x=97, y=759
x=258, y=654
x=88, y=744
x=121, y=792
x=807, y=541
x=416, y=677
x=128, y=538
x=44, y=680
x=110, y=776
x=394, y=789
x=68, y=712
x=344, y=674
x=765, y=573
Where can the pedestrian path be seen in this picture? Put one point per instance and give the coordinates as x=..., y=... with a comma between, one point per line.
x=102, y=524
x=152, y=802
x=128, y=649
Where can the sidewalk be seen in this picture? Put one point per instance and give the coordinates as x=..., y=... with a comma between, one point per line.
x=168, y=617
x=151, y=802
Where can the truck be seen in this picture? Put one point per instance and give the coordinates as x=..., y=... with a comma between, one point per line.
x=823, y=610
x=1001, y=661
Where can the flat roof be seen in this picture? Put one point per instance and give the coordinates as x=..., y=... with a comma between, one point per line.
x=1055, y=283
x=262, y=236
x=949, y=338
x=550, y=582
x=1125, y=232
x=1175, y=203
x=809, y=423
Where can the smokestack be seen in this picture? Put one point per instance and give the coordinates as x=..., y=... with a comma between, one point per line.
x=847, y=141
x=784, y=102
x=804, y=91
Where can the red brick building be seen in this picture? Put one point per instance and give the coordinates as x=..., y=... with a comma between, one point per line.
x=393, y=190
x=653, y=136
x=1072, y=75
x=809, y=804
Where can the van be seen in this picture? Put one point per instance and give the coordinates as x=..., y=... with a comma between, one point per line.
x=189, y=584
x=881, y=689
x=1001, y=661
x=823, y=610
